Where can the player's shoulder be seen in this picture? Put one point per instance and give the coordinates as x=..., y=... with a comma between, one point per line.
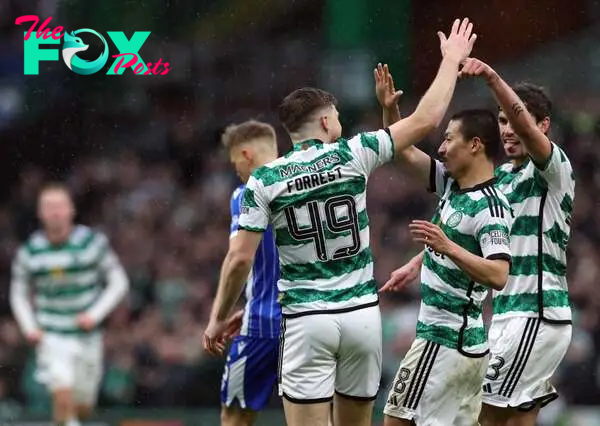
x=561, y=156
x=491, y=200
x=503, y=169
x=269, y=173
x=367, y=139
x=35, y=243
x=83, y=235
x=238, y=192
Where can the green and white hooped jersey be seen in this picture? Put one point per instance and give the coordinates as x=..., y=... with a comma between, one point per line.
x=66, y=280
x=542, y=200
x=315, y=198
x=478, y=219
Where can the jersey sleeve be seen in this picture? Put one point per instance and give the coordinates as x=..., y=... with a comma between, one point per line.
x=438, y=178
x=493, y=229
x=19, y=293
x=19, y=268
x=235, y=210
x=372, y=149
x=117, y=283
x=255, y=213
x=557, y=169
x=108, y=259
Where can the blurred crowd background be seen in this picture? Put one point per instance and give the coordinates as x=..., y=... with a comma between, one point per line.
x=142, y=157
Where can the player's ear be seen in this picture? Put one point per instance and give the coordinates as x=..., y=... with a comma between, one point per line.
x=324, y=123
x=544, y=125
x=476, y=145
x=247, y=154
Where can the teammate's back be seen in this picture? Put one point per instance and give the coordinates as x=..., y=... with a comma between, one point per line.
x=316, y=198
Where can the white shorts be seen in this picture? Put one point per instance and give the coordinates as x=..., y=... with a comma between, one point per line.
x=326, y=353
x=71, y=362
x=437, y=386
x=524, y=354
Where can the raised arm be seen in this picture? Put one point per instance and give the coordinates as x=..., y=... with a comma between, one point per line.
x=433, y=105
x=523, y=123
x=416, y=162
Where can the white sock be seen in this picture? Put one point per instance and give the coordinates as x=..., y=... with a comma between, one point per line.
x=72, y=422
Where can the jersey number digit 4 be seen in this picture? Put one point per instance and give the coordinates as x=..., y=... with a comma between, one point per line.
x=316, y=232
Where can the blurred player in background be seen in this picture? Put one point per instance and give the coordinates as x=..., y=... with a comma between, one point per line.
x=531, y=324
x=315, y=198
x=65, y=266
x=467, y=251
x=251, y=369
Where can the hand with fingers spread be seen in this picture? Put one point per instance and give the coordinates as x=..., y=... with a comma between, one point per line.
x=214, y=340
x=384, y=87
x=403, y=276
x=431, y=235
x=473, y=67
x=460, y=41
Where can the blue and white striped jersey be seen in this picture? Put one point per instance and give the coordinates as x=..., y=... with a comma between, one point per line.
x=262, y=314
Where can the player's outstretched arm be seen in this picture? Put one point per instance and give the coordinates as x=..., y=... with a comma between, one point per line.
x=537, y=143
x=236, y=267
x=491, y=272
x=404, y=275
x=432, y=107
x=416, y=161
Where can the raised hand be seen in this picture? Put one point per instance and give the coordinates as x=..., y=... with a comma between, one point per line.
x=384, y=87
x=459, y=43
x=474, y=67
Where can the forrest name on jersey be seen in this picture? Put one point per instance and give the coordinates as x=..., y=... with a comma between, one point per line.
x=315, y=198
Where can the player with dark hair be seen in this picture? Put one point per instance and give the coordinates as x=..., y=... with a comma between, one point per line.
x=531, y=325
x=467, y=252
x=315, y=198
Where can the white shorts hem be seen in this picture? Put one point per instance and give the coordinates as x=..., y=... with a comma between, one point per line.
x=399, y=414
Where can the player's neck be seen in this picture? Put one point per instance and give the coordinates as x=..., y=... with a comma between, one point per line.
x=260, y=161
x=303, y=136
x=475, y=176
x=518, y=162
x=58, y=236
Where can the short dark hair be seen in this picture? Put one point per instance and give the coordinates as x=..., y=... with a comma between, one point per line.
x=236, y=134
x=481, y=123
x=535, y=99
x=296, y=108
